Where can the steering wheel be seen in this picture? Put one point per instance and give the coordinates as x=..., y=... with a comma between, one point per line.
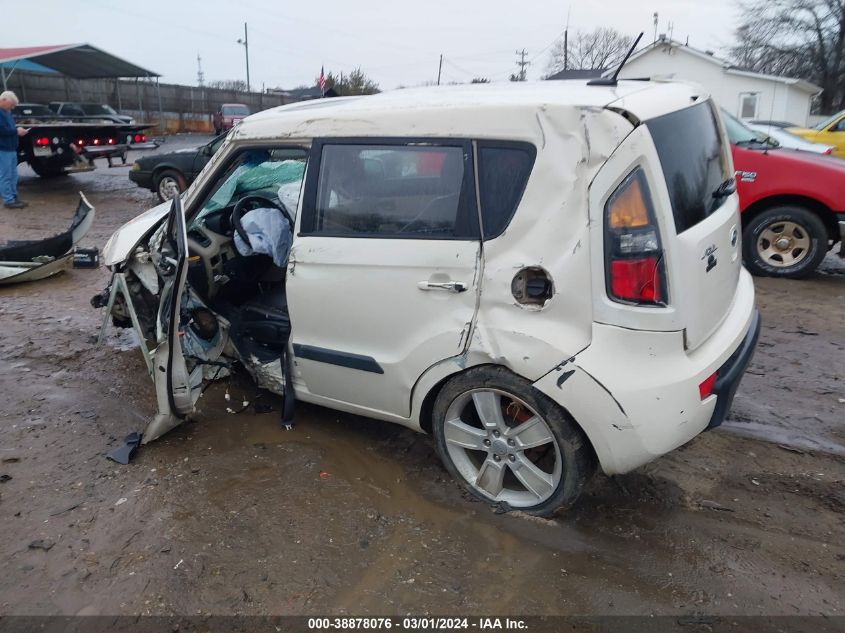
x=239, y=210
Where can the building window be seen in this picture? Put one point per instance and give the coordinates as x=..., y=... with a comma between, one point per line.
x=748, y=105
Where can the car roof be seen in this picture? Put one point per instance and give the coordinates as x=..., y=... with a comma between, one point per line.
x=487, y=107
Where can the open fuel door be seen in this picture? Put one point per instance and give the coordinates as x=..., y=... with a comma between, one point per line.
x=177, y=389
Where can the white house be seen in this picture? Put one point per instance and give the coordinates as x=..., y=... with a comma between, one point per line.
x=745, y=94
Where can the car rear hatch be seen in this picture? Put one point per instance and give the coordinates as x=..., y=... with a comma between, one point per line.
x=666, y=222
x=701, y=223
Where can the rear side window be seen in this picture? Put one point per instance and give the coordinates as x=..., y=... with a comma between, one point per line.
x=393, y=190
x=693, y=160
x=503, y=171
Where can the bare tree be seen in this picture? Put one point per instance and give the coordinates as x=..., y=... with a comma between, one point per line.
x=355, y=83
x=796, y=38
x=602, y=48
x=228, y=84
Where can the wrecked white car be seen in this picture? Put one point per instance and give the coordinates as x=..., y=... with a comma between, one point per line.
x=547, y=277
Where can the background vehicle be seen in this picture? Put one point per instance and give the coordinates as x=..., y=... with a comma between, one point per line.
x=56, y=145
x=33, y=112
x=89, y=111
x=790, y=141
x=793, y=204
x=533, y=344
x=831, y=131
x=170, y=174
x=780, y=124
x=229, y=115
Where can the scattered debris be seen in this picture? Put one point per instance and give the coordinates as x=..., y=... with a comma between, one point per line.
x=791, y=449
x=121, y=501
x=11, y=460
x=713, y=505
x=324, y=474
x=68, y=509
x=42, y=543
x=30, y=260
x=4, y=478
x=123, y=454
x=176, y=566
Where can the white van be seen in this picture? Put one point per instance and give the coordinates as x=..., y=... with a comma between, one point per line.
x=546, y=277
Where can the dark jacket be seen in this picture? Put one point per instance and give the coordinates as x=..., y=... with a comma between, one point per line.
x=8, y=132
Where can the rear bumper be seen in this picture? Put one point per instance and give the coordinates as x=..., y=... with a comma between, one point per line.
x=100, y=151
x=142, y=178
x=731, y=373
x=636, y=393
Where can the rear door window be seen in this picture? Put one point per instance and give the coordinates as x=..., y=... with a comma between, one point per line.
x=503, y=171
x=694, y=161
x=401, y=190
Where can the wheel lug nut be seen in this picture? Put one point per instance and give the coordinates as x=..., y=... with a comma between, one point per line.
x=496, y=434
x=487, y=442
x=511, y=442
x=497, y=458
x=512, y=458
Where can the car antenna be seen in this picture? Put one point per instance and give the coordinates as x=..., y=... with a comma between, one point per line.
x=604, y=81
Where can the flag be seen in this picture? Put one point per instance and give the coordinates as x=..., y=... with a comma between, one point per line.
x=322, y=81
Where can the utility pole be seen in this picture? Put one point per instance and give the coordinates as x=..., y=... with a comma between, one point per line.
x=245, y=42
x=655, y=26
x=439, y=69
x=200, y=74
x=566, y=40
x=522, y=64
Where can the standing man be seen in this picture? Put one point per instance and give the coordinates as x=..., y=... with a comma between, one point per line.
x=9, y=134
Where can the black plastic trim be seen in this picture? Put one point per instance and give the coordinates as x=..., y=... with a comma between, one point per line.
x=342, y=359
x=730, y=374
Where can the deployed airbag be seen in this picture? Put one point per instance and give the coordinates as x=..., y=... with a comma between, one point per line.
x=269, y=233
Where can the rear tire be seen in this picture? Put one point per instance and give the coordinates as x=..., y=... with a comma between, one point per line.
x=169, y=183
x=784, y=241
x=47, y=171
x=509, y=444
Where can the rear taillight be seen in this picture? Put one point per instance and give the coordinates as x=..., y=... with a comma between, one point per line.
x=633, y=253
x=829, y=151
x=42, y=141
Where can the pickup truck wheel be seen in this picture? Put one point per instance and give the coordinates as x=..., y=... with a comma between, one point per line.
x=47, y=171
x=509, y=444
x=169, y=183
x=784, y=241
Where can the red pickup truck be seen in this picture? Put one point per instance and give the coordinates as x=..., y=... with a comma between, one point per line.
x=792, y=202
x=228, y=116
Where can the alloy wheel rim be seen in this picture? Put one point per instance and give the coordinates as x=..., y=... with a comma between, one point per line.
x=783, y=244
x=502, y=447
x=168, y=188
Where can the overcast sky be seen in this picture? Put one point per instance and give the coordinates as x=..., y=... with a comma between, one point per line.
x=395, y=42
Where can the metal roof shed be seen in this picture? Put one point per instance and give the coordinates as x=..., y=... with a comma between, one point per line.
x=79, y=61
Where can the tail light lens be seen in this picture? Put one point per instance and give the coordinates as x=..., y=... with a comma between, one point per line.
x=42, y=141
x=705, y=389
x=829, y=151
x=634, y=268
